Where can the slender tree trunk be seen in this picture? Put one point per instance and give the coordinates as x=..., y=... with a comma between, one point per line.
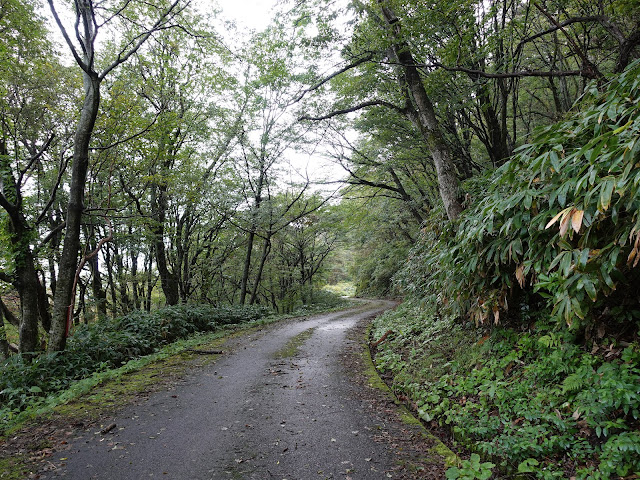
x=4, y=344
x=69, y=261
x=150, y=284
x=252, y=234
x=96, y=281
x=266, y=248
x=134, y=279
x=81, y=312
x=247, y=267
x=425, y=117
x=53, y=258
x=125, y=302
x=168, y=279
x=111, y=284
x=43, y=305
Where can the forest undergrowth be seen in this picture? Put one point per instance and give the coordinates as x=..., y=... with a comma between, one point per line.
x=531, y=401
x=521, y=337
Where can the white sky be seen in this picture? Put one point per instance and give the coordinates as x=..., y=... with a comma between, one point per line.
x=253, y=14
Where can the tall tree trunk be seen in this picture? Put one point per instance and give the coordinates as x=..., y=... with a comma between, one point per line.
x=247, y=267
x=25, y=278
x=252, y=233
x=168, y=279
x=81, y=312
x=43, y=304
x=425, y=117
x=150, y=284
x=96, y=279
x=69, y=261
x=27, y=284
x=111, y=284
x=266, y=248
x=125, y=302
x=134, y=279
x=4, y=344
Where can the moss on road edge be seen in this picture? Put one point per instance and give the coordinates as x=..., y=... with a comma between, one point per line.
x=375, y=381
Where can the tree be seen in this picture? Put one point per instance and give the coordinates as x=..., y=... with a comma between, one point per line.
x=28, y=183
x=87, y=27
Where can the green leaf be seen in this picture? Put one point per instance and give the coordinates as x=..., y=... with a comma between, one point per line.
x=605, y=193
x=453, y=473
x=528, y=466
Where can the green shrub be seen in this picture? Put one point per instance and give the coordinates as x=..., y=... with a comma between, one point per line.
x=561, y=220
x=109, y=343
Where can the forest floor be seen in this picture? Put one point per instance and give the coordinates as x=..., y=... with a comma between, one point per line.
x=294, y=400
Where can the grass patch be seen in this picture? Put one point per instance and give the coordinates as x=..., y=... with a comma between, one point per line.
x=347, y=289
x=292, y=347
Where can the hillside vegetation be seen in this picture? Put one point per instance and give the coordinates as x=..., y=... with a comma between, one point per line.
x=548, y=253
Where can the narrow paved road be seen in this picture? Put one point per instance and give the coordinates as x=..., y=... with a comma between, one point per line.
x=264, y=410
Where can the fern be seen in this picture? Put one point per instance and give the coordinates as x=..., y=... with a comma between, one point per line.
x=578, y=380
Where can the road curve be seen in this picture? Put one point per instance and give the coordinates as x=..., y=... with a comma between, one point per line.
x=264, y=410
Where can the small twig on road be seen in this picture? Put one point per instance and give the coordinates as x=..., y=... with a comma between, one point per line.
x=206, y=352
x=108, y=428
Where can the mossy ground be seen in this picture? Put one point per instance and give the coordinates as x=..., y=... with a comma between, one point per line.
x=292, y=347
x=439, y=449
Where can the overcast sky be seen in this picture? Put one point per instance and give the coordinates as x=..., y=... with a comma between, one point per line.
x=253, y=14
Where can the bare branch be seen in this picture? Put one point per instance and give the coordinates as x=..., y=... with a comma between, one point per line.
x=51, y=234
x=521, y=74
x=67, y=39
x=35, y=157
x=559, y=26
x=54, y=190
x=372, y=103
x=131, y=137
x=124, y=55
x=589, y=68
x=346, y=68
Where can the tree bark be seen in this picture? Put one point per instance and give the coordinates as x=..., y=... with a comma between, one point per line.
x=25, y=277
x=266, y=248
x=168, y=279
x=62, y=302
x=252, y=233
x=4, y=344
x=99, y=293
x=8, y=315
x=247, y=267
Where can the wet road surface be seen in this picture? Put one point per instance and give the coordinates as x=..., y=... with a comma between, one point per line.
x=280, y=404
